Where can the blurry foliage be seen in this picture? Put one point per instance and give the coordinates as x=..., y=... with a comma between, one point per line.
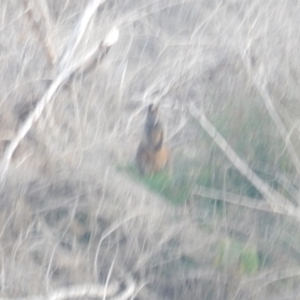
x=174, y=188
x=183, y=263
x=252, y=134
x=233, y=254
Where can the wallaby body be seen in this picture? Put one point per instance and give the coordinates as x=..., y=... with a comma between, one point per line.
x=152, y=155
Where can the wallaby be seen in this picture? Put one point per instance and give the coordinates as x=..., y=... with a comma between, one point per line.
x=152, y=155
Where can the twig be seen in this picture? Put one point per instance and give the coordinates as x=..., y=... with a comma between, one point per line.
x=109, y=276
x=277, y=202
x=107, y=233
x=127, y=292
x=79, y=31
x=104, y=48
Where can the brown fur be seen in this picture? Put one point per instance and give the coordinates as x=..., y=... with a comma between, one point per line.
x=152, y=155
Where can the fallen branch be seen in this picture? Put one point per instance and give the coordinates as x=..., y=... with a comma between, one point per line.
x=36, y=113
x=286, y=181
x=231, y=198
x=277, y=202
x=115, y=291
x=127, y=292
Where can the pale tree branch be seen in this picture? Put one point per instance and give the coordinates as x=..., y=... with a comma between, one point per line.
x=36, y=113
x=78, y=33
x=115, y=291
x=127, y=293
x=277, y=202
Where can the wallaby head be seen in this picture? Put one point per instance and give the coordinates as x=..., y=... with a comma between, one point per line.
x=152, y=115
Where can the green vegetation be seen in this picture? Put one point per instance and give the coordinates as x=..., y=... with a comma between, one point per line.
x=254, y=141
x=249, y=261
x=183, y=263
x=174, y=188
x=232, y=254
x=81, y=217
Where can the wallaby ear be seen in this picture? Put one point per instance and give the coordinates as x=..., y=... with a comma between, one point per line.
x=153, y=108
x=150, y=107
